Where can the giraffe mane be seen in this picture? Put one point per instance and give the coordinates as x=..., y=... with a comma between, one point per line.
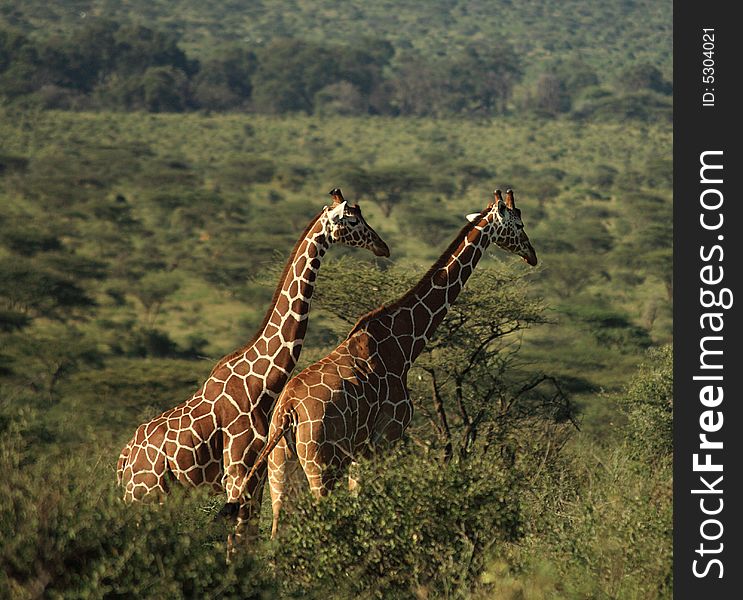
x=424, y=281
x=277, y=292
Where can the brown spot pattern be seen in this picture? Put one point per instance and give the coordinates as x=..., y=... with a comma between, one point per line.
x=213, y=438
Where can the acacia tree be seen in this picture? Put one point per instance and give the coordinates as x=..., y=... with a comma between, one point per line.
x=44, y=357
x=475, y=388
x=40, y=288
x=387, y=186
x=153, y=290
x=645, y=246
x=468, y=386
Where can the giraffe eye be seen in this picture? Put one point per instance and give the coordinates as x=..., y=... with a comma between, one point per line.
x=352, y=221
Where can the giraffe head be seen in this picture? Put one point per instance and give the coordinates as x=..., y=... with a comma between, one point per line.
x=509, y=231
x=346, y=225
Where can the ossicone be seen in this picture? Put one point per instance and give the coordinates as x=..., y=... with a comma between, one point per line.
x=337, y=196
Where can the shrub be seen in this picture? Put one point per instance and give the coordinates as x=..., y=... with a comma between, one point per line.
x=66, y=533
x=418, y=526
x=600, y=519
x=649, y=406
x=601, y=529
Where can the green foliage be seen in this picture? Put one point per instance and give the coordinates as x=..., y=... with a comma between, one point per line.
x=388, y=186
x=291, y=73
x=98, y=207
x=550, y=95
x=599, y=527
x=641, y=106
x=649, y=406
x=11, y=320
x=164, y=89
x=153, y=289
x=647, y=240
x=342, y=98
x=423, y=527
x=644, y=76
x=610, y=328
x=416, y=527
x=10, y=164
x=42, y=358
x=213, y=199
x=39, y=288
x=66, y=533
x=148, y=341
x=609, y=498
x=481, y=78
x=603, y=176
x=241, y=171
x=320, y=59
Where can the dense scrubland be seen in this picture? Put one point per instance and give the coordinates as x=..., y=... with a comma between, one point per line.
x=599, y=61
x=158, y=161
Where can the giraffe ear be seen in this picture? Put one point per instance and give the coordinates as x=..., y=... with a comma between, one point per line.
x=472, y=217
x=335, y=214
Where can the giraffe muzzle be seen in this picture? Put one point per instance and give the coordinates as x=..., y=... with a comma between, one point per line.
x=380, y=248
x=530, y=257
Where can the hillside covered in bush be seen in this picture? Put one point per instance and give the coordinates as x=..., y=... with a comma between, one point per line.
x=468, y=58
x=158, y=162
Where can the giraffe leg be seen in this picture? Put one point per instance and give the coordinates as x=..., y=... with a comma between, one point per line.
x=237, y=453
x=246, y=525
x=277, y=470
x=321, y=477
x=323, y=462
x=353, y=479
x=319, y=486
x=248, y=513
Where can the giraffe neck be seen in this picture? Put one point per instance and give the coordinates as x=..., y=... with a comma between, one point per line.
x=281, y=334
x=426, y=304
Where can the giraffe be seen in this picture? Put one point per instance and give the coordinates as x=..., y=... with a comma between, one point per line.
x=355, y=399
x=213, y=438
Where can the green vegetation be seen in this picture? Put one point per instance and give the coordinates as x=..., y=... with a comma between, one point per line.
x=154, y=265
x=72, y=536
x=536, y=516
x=443, y=62
x=156, y=167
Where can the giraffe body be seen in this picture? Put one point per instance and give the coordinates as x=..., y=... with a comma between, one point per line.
x=213, y=438
x=355, y=401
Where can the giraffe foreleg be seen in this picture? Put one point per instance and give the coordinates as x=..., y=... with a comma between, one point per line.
x=248, y=517
x=354, y=479
x=322, y=474
x=278, y=462
x=243, y=497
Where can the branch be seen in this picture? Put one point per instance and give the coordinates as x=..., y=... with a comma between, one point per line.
x=460, y=402
x=470, y=433
x=438, y=403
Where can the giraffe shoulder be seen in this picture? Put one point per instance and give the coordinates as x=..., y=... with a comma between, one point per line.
x=361, y=344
